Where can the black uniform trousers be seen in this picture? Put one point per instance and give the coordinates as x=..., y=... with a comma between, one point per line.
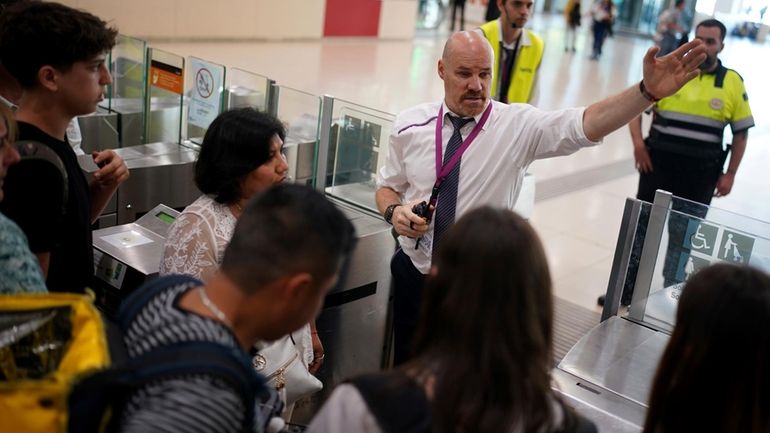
x=688, y=177
x=407, y=286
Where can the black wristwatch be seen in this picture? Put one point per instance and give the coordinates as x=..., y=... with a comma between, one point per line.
x=389, y=212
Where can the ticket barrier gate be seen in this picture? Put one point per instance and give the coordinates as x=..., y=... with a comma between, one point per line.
x=123, y=124
x=608, y=374
x=128, y=255
x=353, y=324
x=160, y=173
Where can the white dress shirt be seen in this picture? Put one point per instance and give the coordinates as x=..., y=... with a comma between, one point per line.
x=513, y=137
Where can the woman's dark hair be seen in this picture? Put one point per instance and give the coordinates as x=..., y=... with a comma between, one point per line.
x=715, y=372
x=485, y=330
x=237, y=142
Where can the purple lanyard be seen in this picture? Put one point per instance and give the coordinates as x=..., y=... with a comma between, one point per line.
x=442, y=171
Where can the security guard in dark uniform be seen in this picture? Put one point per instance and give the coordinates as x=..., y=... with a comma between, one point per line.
x=683, y=153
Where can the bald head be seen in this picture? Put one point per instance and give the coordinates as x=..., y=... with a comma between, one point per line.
x=466, y=68
x=467, y=43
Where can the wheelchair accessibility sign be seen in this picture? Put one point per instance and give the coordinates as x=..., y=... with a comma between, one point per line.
x=701, y=237
x=710, y=242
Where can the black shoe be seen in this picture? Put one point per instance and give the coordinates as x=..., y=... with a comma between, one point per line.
x=600, y=301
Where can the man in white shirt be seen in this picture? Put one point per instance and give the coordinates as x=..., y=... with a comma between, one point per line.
x=499, y=142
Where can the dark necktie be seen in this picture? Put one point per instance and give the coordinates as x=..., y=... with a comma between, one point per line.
x=447, y=197
x=505, y=74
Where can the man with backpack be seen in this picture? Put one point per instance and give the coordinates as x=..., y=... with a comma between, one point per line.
x=286, y=253
x=57, y=55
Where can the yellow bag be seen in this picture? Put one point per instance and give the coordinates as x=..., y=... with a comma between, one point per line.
x=47, y=341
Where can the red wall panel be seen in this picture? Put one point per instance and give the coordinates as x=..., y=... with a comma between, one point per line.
x=352, y=17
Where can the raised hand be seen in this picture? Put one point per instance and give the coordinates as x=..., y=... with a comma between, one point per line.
x=664, y=76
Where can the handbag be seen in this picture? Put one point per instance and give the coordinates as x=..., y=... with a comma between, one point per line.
x=281, y=363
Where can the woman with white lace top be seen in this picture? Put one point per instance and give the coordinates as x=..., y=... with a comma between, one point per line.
x=241, y=155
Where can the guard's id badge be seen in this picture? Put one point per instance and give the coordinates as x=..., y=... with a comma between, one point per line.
x=426, y=243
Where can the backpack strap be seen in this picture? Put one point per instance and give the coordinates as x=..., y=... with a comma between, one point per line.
x=396, y=401
x=42, y=164
x=95, y=400
x=133, y=304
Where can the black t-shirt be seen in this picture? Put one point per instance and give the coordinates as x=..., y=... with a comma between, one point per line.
x=30, y=202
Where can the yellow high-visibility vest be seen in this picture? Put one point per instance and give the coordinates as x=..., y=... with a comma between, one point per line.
x=528, y=60
x=692, y=121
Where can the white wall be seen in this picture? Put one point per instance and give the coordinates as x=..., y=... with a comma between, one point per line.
x=398, y=19
x=236, y=19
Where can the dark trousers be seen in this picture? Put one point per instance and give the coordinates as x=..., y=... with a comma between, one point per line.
x=408, y=285
x=600, y=34
x=493, y=12
x=458, y=4
x=685, y=177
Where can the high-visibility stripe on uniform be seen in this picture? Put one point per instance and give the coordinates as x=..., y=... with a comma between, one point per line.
x=692, y=121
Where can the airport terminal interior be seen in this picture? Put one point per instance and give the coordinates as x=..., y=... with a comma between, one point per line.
x=579, y=204
x=590, y=186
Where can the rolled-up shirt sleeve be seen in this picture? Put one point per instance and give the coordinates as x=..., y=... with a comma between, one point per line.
x=393, y=174
x=558, y=133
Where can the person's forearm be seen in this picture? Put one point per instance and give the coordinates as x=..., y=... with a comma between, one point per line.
x=635, y=127
x=385, y=197
x=607, y=115
x=100, y=196
x=737, y=150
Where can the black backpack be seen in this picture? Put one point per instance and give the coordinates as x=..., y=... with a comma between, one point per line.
x=96, y=401
x=41, y=161
x=399, y=405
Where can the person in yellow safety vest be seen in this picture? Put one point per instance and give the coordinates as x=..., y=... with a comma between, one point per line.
x=518, y=52
x=683, y=153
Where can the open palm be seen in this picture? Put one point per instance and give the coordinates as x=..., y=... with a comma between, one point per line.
x=663, y=76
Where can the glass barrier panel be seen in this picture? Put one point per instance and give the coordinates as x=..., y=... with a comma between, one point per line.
x=696, y=236
x=164, y=97
x=635, y=255
x=246, y=89
x=721, y=216
x=205, y=96
x=358, y=146
x=301, y=113
x=129, y=83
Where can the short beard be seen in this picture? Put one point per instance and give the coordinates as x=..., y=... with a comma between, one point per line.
x=708, y=64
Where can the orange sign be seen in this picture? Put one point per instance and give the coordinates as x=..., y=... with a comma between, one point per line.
x=166, y=77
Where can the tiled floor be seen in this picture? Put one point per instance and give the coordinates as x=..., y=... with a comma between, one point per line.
x=578, y=228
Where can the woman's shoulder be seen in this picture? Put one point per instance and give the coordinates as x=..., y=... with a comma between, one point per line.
x=205, y=209
x=203, y=204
